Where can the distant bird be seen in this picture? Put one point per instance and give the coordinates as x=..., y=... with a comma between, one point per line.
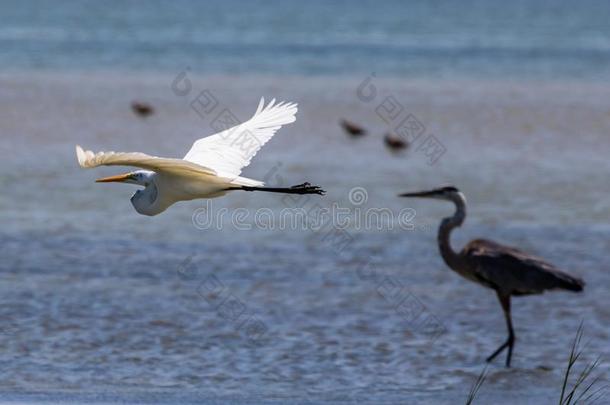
x=504, y=269
x=142, y=109
x=210, y=169
x=352, y=129
x=394, y=142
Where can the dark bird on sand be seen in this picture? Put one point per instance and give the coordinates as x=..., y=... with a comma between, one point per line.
x=352, y=129
x=395, y=142
x=142, y=109
x=506, y=270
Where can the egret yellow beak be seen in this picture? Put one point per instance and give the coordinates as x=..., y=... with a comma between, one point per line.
x=121, y=178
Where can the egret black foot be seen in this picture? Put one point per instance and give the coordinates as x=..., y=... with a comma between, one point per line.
x=307, y=188
x=304, y=188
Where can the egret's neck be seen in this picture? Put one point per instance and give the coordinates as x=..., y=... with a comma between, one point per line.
x=149, y=201
x=444, y=232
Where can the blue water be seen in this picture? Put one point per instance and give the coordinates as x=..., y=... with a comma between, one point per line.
x=96, y=304
x=474, y=38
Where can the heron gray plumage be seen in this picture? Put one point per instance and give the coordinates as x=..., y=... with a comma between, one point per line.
x=506, y=270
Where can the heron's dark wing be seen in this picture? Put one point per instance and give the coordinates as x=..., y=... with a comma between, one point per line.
x=515, y=272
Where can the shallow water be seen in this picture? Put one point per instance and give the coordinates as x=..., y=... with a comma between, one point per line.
x=101, y=304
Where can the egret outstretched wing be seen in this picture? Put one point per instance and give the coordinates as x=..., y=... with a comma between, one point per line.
x=229, y=151
x=88, y=159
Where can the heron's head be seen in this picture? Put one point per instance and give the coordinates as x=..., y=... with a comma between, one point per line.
x=448, y=193
x=138, y=177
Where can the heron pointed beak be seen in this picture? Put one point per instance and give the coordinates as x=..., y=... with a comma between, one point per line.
x=422, y=194
x=121, y=178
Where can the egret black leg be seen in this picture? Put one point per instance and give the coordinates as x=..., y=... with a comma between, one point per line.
x=304, y=188
x=510, y=342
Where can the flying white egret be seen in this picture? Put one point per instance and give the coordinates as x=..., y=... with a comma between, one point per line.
x=210, y=169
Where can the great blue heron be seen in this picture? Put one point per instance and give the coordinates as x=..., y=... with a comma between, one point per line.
x=504, y=269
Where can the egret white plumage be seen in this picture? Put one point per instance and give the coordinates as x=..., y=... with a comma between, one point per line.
x=210, y=169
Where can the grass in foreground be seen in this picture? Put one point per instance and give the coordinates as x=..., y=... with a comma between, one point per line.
x=474, y=390
x=582, y=389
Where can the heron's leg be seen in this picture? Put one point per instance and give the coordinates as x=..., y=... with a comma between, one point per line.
x=498, y=351
x=505, y=302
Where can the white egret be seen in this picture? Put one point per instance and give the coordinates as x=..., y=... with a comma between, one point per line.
x=210, y=169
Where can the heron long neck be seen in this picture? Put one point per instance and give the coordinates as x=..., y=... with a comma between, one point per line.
x=444, y=232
